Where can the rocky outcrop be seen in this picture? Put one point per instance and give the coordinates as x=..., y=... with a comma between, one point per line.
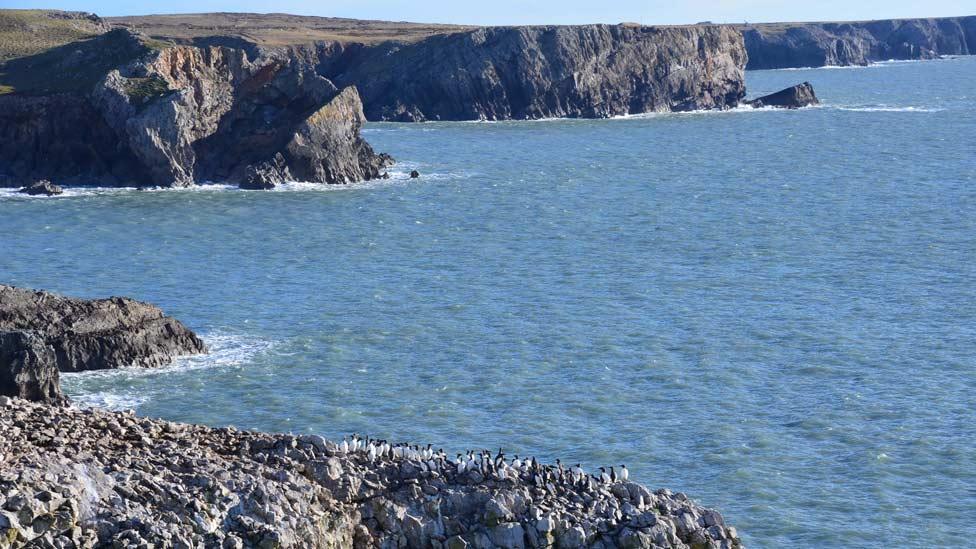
x=589, y=71
x=792, y=45
x=28, y=368
x=177, y=115
x=72, y=478
x=42, y=187
x=96, y=334
x=794, y=97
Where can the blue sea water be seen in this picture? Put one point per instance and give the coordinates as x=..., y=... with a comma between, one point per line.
x=772, y=311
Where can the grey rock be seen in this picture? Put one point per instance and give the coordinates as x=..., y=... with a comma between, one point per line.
x=42, y=187
x=195, y=486
x=587, y=71
x=794, y=97
x=97, y=334
x=183, y=114
x=508, y=535
x=28, y=368
x=792, y=45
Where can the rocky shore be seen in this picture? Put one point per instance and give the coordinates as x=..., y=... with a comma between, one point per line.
x=85, y=478
x=42, y=334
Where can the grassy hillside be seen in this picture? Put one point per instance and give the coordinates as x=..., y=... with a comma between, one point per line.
x=26, y=32
x=277, y=28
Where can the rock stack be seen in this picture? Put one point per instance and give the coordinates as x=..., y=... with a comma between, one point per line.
x=794, y=97
x=83, y=478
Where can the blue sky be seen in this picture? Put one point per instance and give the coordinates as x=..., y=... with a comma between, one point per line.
x=499, y=12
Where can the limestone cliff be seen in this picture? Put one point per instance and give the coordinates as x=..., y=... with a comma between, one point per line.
x=590, y=71
x=173, y=115
x=791, y=45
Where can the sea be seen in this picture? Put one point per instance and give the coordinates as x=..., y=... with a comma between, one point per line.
x=771, y=311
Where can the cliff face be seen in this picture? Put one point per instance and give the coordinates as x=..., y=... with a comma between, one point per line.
x=788, y=45
x=503, y=73
x=182, y=114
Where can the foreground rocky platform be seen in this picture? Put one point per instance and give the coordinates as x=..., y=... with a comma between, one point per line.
x=42, y=333
x=793, y=45
x=83, y=478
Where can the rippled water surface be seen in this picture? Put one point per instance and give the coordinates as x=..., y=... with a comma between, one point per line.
x=771, y=311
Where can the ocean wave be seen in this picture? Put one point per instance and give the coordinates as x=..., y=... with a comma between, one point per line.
x=113, y=389
x=885, y=108
x=397, y=176
x=107, y=400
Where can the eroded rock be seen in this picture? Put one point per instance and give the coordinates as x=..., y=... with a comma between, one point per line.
x=97, y=334
x=794, y=97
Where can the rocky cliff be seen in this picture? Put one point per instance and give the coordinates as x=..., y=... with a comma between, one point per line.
x=500, y=73
x=87, y=334
x=123, y=109
x=791, y=45
x=73, y=478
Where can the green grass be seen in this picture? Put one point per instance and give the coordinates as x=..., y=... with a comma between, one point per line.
x=27, y=32
x=73, y=67
x=143, y=90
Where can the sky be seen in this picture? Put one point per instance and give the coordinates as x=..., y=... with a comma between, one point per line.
x=503, y=12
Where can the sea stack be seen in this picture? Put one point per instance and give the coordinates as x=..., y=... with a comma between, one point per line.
x=794, y=97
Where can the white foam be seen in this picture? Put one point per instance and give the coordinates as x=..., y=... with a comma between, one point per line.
x=226, y=350
x=108, y=401
x=886, y=108
x=291, y=186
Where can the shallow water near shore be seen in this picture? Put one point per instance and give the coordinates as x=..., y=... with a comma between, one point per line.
x=772, y=311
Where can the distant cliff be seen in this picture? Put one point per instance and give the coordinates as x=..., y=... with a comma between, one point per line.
x=792, y=45
x=590, y=71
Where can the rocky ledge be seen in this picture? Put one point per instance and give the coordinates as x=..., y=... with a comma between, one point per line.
x=44, y=333
x=84, y=478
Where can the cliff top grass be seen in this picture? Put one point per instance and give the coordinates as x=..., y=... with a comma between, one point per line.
x=27, y=32
x=278, y=29
x=71, y=67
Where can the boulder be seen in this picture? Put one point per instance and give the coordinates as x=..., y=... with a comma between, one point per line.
x=97, y=334
x=42, y=187
x=794, y=97
x=266, y=175
x=28, y=368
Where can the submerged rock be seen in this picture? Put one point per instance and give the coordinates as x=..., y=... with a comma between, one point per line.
x=42, y=187
x=97, y=334
x=794, y=97
x=83, y=478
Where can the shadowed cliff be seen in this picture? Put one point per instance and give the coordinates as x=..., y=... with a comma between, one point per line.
x=793, y=45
